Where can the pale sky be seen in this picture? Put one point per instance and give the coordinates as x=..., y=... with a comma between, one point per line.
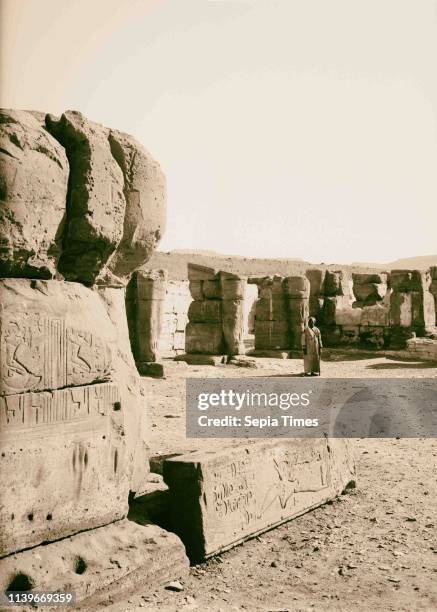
x=286, y=128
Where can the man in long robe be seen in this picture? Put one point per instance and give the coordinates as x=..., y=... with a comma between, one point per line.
x=311, y=348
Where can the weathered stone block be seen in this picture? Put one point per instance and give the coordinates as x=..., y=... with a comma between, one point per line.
x=96, y=203
x=72, y=401
x=196, y=290
x=296, y=287
x=220, y=499
x=233, y=324
x=71, y=456
x=206, y=311
x=317, y=278
x=197, y=272
x=33, y=190
x=145, y=194
x=335, y=284
x=233, y=287
x=271, y=309
x=205, y=338
x=212, y=289
x=272, y=335
x=108, y=563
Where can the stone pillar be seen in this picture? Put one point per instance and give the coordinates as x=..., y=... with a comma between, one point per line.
x=297, y=293
x=433, y=287
x=316, y=277
x=369, y=289
x=271, y=315
x=412, y=306
x=204, y=331
x=216, y=315
x=145, y=302
x=336, y=298
x=233, y=292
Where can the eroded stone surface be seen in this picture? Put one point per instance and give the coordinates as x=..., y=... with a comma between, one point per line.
x=145, y=194
x=106, y=563
x=96, y=203
x=33, y=189
x=72, y=411
x=221, y=498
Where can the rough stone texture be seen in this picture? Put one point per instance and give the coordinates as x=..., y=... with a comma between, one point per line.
x=69, y=426
x=412, y=306
x=297, y=293
x=132, y=392
x=96, y=202
x=423, y=348
x=145, y=195
x=33, y=189
x=217, y=314
x=205, y=338
x=110, y=562
x=369, y=289
x=221, y=498
x=144, y=304
x=433, y=287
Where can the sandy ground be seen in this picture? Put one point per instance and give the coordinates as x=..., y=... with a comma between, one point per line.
x=374, y=547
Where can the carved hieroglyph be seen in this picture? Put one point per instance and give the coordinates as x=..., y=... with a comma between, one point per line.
x=69, y=412
x=221, y=498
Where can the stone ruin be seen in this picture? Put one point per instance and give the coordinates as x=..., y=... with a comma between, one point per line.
x=82, y=206
x=82, y=209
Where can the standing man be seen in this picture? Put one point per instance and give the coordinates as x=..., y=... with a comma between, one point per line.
x=312, y=348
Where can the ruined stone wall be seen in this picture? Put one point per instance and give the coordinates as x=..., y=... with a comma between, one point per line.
x=82, y=207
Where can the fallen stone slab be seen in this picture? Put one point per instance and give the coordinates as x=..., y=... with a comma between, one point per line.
x=269, y=354
x=105, y=563
x=200, y=359
x=219, y=499
x=154, y=369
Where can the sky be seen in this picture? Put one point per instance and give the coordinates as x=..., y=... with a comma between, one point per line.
x=286, y=128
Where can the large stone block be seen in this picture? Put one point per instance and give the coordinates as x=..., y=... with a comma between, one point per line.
x=316, y=277
x=72, y=410
x=205, y=338
x=233, y=287
x=206, y=311
x=335, y=283
x=271, y=309
x=108, y=563
x=219, y=499
x=96, y=203
x=33, y=190
x=145, y=304
x=145, y=195
x=272, y=335
x=70, y=456
x=296, y=287
x=233, y=326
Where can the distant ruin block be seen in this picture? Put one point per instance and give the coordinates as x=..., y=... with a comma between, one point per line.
x=316, y=277
x=144, y=303
x=335, y=284
x=216, y=316
x=206, y=338
x=297, y=293
x=272, y=335
x=411, y=303
x=220, y=499
x=369, y=289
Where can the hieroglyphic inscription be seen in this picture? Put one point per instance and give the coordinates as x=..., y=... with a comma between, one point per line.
x=43, y=408
x=39, y=352
x=236, y=493
x=236, y=489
